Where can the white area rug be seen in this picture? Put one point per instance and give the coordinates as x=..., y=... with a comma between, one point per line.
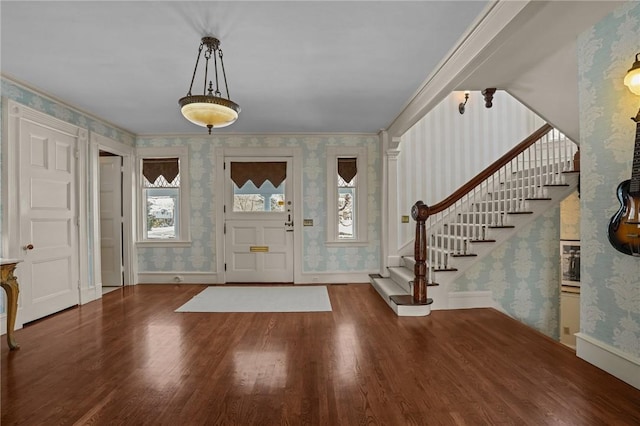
x=259, y=299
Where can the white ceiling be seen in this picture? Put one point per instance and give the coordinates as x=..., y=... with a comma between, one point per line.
x=298, y=66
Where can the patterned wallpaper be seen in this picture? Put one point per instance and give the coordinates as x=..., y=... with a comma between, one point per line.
x=43, y=104
x=570, y=217
x=201, y=256
x=523, y=274
x=610, y=281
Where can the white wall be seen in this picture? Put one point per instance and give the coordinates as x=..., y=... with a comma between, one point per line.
x=445, y=149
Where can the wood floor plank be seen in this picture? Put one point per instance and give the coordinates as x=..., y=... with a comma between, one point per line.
x=129, y=359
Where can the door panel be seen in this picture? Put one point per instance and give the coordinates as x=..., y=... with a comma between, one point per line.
x=50, y=233
x=258, y=252
x=259, y=229
x=111, y=220
x=42, y=271
x=49, y=273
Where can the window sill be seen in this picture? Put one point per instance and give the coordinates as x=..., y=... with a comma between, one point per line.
x=351, y=243
x=163, y=243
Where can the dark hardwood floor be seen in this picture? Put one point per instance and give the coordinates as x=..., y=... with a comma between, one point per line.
x=130, y=359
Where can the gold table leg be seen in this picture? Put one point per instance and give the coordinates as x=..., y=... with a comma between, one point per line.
x=10, y=285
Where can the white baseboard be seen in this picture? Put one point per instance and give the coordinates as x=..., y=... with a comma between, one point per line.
x=470, y=299
x=624, y=366
x=333, y=277
x=181, y=277
x=89, y=294
x=177, y=277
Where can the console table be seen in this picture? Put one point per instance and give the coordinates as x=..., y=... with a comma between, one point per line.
x=10, y=284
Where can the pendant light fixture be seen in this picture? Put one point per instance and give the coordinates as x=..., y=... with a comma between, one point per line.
x=632, y=79
x=210, y=109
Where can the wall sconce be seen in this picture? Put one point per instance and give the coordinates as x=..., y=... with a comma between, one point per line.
x=463, y=105
x=632, y=79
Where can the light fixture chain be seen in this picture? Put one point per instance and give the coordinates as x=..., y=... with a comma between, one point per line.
x=224, y=74
x=207, y=56
x=215, y=62
x=195, y=69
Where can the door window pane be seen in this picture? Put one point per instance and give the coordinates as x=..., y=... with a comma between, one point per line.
x=266, y=198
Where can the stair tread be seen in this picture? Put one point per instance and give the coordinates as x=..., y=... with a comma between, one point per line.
x=387, y=287
x=407, y=299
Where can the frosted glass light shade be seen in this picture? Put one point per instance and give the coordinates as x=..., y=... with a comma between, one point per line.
x=632, y=79
x=209, y=111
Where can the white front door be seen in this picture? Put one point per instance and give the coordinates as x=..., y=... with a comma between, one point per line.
x=258, y=219
x=49, y=273
x=111, y=220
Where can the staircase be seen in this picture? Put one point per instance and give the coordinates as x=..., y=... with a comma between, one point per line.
x=483, y=214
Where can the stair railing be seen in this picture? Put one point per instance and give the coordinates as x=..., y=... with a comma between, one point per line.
x=483, y=203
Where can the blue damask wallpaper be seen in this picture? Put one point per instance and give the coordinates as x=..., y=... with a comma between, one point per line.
x=523, y=274
x=201, y=256
x=610, y=297
x=43, y=104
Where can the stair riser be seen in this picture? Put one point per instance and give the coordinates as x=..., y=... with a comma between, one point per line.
x=562, y=166
x=462, y=229
x=452, y=245
x=516, y=192
x=402, y=279
x=499, y=206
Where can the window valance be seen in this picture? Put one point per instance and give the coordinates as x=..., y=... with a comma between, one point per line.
x=154, y=167
x=258, y=172
x=347, y=168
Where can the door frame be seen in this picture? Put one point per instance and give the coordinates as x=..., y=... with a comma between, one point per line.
x=13, y=114
x=296, y=155
x=101, y=143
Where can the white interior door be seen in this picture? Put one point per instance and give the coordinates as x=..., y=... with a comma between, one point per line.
x=258, y=220
x=111, y=220
x=48, y=221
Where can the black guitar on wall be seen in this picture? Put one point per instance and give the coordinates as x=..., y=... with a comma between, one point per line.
x=624, y=227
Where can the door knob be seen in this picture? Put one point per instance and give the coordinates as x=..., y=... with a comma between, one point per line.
x=28, y=247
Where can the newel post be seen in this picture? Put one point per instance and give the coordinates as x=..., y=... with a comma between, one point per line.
x=420, y=213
